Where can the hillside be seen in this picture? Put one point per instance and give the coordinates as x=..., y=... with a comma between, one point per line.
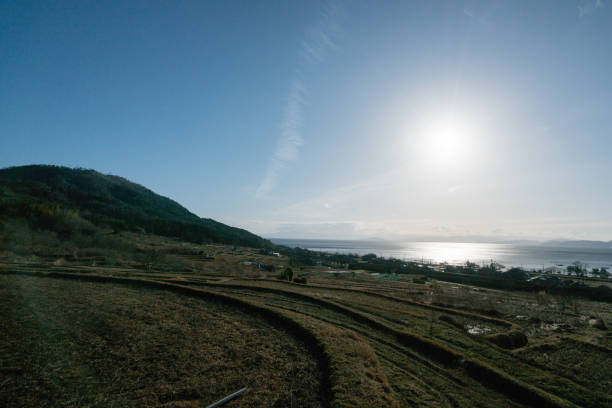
x=63, y=199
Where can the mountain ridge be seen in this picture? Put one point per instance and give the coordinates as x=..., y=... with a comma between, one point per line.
x=42, y=192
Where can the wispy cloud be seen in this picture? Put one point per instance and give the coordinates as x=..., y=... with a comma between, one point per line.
x=589, y=7
x=319, y=40
x=482, y=21
x=290, y=141
x=334, y=204
x=454, y=189
x=402, y=229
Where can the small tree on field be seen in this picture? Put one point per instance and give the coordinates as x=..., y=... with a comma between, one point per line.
x=602, y=272
x=369, y=257
x=578, y=269
x=287, y=274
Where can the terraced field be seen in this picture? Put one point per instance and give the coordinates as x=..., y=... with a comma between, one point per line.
x=339, y=343
x=73, y=343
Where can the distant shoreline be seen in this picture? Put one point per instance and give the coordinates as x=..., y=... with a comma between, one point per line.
x=534, y=256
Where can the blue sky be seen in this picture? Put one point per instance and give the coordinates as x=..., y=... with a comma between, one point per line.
x=327, y=119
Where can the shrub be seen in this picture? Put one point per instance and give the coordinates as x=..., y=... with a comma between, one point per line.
x=512, y=339
x=369, y=257
x=287, y=274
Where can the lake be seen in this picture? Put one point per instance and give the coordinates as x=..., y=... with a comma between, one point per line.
x=456, y=253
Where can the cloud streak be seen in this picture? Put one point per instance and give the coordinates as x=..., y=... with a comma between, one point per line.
x=319, y=40
x=589, y=7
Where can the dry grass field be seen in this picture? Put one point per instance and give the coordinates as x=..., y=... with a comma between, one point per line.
x=71, y=343
x=198, y=324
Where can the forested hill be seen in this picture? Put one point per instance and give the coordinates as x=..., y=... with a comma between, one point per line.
x=50, y=196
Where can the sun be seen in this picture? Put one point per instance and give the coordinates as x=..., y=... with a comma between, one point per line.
x=446, y=142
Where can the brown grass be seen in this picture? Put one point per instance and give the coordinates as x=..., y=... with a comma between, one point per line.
x=434, y=350
x=71, y=343
x=357, y=377
x=384, y=343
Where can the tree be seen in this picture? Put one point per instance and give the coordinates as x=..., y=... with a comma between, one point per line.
x=516, y=273
x=369, y=257
x=577, y=268
x=601, y=272
x=152, y=259
x=287, y=274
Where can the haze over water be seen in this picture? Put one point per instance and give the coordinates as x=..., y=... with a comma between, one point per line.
x=456, y=253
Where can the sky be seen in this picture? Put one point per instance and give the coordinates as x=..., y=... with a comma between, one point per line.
x=327, y=119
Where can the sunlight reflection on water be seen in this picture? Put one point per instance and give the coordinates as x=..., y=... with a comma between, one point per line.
x=457, y=253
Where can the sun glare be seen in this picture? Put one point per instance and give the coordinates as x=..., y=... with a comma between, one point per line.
x=445, y=143
x=445, y=140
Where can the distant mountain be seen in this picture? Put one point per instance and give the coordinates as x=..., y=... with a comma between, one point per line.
x=47, y=195
x=579, y=244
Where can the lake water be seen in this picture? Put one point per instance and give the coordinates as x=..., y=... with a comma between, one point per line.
x=457, y=253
